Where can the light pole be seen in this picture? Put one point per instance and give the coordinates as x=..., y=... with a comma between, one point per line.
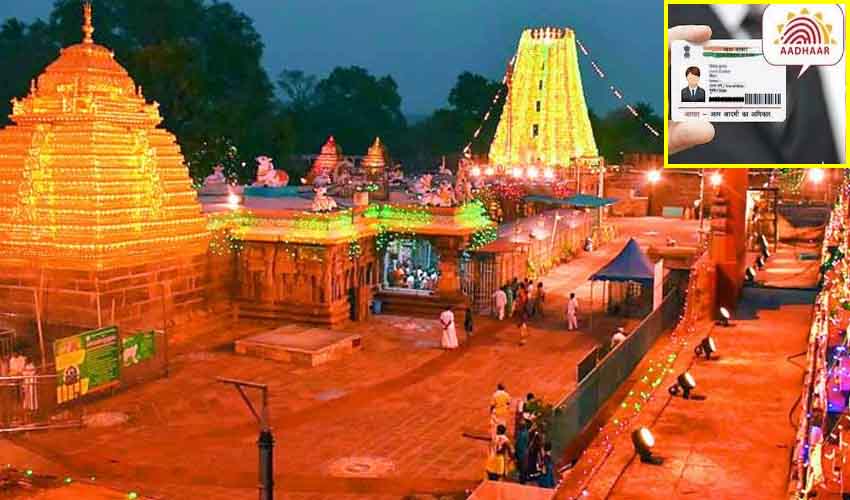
x=653, y=176
x=265, y=442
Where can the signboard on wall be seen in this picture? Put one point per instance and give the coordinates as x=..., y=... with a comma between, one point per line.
x=658, y=285
x=137, y=348
x=87, y=362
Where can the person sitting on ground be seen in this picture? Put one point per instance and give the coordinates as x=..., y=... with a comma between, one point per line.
x=618, y=337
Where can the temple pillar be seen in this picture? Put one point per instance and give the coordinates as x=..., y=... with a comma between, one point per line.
x=449, y=266
x=729, y=245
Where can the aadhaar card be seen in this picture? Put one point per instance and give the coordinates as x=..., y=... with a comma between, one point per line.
x=725, y=81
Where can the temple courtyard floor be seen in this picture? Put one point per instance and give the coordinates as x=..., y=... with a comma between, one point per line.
x=737, y=442
x=398, y=419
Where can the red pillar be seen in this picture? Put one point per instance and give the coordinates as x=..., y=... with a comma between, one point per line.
x=728, y=247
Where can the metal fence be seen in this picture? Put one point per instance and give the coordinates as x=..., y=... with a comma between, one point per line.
x=36, y=401
x=573, y=414
x=30, y=402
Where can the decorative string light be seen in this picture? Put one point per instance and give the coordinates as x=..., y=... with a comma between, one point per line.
x=653, y=377
x=812, y=452
x=30, y=474
x=614, y=90
x=467, y=150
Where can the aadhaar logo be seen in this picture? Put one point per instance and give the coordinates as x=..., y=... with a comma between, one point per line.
x=805, y=34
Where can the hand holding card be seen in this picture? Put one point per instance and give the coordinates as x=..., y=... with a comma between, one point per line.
x=686, y=135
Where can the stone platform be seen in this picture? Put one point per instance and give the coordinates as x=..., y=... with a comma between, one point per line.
x=300, y=345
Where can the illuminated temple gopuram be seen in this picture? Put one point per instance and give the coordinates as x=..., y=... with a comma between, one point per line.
x=545, y=120
x=96, y=205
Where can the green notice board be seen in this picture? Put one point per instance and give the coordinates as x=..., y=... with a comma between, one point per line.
x=87, y=362
x=138, y=348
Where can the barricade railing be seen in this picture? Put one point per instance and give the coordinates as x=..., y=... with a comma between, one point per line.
x=55, y=397
x=30, y=402
x=576, y=411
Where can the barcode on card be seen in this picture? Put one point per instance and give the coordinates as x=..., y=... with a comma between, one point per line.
x=760, y=99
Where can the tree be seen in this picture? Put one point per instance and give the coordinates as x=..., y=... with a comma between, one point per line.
x=473, y=95
x=356, y=107
x=299, y=87
x=621, y=132
x=448, y=130
x=24, y=52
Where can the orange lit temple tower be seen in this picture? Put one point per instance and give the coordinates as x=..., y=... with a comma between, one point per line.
x=97, y=211
x=375, y=166
x=544, y=121
x=328, y=159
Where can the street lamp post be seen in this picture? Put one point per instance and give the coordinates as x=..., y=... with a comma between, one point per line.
x=265, y=442
x=653, y=176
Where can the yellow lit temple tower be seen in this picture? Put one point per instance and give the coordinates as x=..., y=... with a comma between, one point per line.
x=544, y=121
x=375, y=166
x=92, y=191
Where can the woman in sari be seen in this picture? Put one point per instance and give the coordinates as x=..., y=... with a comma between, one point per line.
x=499, y=458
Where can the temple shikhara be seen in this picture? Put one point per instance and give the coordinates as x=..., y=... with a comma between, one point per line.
x=91, y=189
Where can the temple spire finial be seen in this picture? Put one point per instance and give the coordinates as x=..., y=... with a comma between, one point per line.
x=88, y=29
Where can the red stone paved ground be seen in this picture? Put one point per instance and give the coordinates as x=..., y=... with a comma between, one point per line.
x=736, y=443
x=401, y=404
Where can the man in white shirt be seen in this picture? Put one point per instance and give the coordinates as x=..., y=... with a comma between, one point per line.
x=447, y=322
x=572, y=310
x=501, y=300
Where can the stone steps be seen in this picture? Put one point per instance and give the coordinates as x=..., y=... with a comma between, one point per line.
x=417, y=305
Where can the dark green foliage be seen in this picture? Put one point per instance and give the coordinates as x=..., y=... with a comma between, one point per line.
x=620, y=132
x=200, y=60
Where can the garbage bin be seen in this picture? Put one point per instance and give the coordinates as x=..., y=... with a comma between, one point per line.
x=377, y=306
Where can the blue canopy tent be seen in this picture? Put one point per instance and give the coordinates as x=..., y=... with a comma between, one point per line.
x=631, y=264
x=578, y=200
